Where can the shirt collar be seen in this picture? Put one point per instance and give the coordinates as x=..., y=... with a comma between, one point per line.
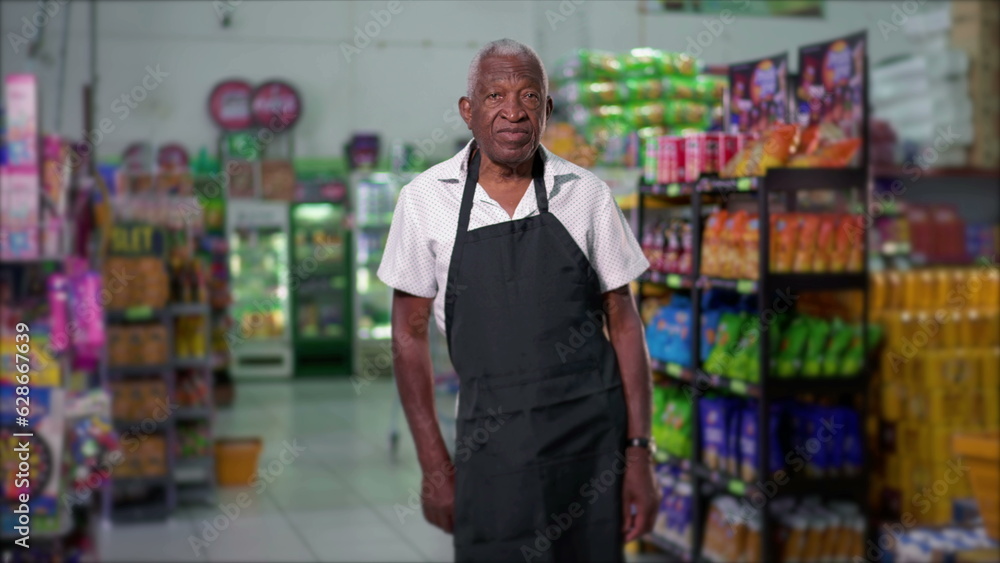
x=456, y=168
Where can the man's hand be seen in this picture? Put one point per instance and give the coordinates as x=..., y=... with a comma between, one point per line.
x=641, y=493
x=439, y=502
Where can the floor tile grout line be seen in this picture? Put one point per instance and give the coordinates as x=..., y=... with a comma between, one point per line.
x=291, y=524
x=370, y=506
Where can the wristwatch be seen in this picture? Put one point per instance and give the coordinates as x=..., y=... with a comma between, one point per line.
x=642, y=443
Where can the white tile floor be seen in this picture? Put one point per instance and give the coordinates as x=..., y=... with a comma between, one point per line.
x=334, y=502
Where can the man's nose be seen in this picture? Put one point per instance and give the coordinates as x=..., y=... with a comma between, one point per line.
x=514, y=109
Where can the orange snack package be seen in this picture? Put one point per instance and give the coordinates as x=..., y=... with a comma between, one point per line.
x=732, y=238
x=750, y=249
x=711, y=244
x=856, y=250
x=806, y=247
x=849, y=246
x=824, y=243
x=786, y=232
x=779, y=145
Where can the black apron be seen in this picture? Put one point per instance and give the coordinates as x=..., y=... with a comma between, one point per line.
x=541, y=418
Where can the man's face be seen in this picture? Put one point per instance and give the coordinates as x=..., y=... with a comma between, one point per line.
x=508, y=110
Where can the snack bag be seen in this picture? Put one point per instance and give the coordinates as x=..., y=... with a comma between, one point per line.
x=713, y=432
x=849, y=244
x=680, y=64
x=792, y=348
x=671, y=249
x=684, y=265
x=644, y=89
x=660, y=429
x=778, y=145
x=785, y=235
x=732, y=243
x=749, y=251
x=816, y=343
x=680, y=88
x=824, y=243
x=734, y=411
x=656, y=335
x=853, y=357
x=804, y=254
x=711, y=249
x=728, y=335
x=841, y=336
x=641, y=61
x=748, y=443
x=710, y=88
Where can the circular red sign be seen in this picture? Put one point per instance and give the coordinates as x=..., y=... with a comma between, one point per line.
x=229, y=105
x=276, y=105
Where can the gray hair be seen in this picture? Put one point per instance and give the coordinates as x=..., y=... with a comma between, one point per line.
x=503, y=48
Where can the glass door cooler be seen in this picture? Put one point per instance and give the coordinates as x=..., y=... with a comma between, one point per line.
x=374, y=198
x=260, y=340
x=321, y=289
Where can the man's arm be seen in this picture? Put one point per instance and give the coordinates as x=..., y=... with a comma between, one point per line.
x=626, y=333
x=415, y=381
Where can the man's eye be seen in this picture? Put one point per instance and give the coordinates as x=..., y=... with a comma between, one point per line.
x=493, y=96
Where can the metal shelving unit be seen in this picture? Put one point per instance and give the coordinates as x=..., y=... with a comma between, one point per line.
x=706, y=483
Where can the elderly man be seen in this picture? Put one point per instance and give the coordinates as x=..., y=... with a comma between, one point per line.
x=525, y=261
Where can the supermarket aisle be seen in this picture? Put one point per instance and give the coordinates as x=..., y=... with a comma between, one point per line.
x=333, y=502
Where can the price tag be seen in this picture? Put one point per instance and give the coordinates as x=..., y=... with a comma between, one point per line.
x=138, y=313
x=746, y=286
x=744, y=184
x=738, y=488
x=674, y=370
x=738, y=386
x=673, y=189
x=674, y=281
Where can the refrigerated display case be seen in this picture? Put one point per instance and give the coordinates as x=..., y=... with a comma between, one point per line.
x=260, y=340
x=321, y=289
x=374, y=197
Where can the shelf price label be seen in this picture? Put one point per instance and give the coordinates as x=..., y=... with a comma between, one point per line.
x=674, y=370
x=674, y=281
x=673, y=189
x=738, y=488
x=738, y=386
x=137, y=240
x=138, y=313
x=746, y=286
x=744, y=184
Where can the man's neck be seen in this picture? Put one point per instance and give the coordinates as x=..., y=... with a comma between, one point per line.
x=498, y=174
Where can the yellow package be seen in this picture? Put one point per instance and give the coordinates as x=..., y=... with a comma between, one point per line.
x=991, y=289
x=893, y=396
x=894, y=290
x=877, y=304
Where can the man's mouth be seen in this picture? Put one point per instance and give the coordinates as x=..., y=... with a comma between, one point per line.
x=514, y=135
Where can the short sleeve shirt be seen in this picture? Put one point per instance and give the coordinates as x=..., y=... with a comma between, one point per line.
x=418, y=251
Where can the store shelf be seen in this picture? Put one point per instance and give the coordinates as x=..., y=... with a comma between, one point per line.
x=192, y=363
x=724, y=186
x=798, y=179
x=665, y=458
x=142, y=482
x=196, y=493
x=672, y=370
x=824, y=385
x=730, y=385
x=142, y=427
x=672, y=281
x=194, y=470
x=818, y=282
x=680, y=552
x=138, y=371
x=967, y=172
x=189, y=309
x=675, y=189
x=791, y=484
x=135, y=315
x=193, y=413
x=739, y=286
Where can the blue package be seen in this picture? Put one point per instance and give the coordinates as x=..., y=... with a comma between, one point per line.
x=713, y=433
x=832, y=435
x=734, y=418
x=748, y=443
x=852, y=444
x=778, y=428
x=656, y=334
x=818, y=463
x=678, y=345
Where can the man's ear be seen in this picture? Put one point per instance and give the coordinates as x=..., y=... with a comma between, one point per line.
x=465, y=108
x=548, y=107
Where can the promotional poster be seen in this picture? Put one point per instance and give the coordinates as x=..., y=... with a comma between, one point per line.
x=758, y=96
x=830, y=91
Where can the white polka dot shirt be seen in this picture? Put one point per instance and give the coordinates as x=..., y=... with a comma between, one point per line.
x=418, y=252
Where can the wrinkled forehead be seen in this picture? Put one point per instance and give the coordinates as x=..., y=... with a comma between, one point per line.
x=512, y=69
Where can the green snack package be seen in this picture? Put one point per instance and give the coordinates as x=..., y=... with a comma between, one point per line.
x=646, y=114
x=680, y=88
x=841, y=336
x=708, y=88
x=792, y=346
x=816, y=343
x=727, y=337
x=853, y=358
x=660, y=431
x=686, y=112
x=641, y=61
x=644, y=89
x=680, y=64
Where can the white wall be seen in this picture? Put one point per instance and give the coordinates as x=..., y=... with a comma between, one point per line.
x=400, y=85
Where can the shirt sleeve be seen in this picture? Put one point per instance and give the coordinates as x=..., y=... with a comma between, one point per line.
x=408, y=260
x=615, y=253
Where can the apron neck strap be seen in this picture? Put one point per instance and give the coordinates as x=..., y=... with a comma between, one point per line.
x=538, y=174
x=472, y=178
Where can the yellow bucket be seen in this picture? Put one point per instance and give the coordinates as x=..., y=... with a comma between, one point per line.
x=236, y=460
